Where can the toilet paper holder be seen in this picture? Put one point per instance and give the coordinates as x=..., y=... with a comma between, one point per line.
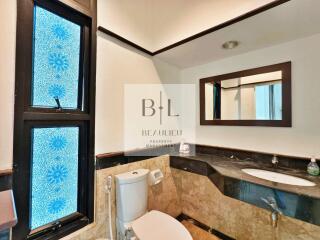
x=155, y=177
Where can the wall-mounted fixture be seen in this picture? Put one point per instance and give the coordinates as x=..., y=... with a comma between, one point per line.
x=230, y=45
x=253, y=97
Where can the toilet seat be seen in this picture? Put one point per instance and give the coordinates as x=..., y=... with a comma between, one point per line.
x=156, y=225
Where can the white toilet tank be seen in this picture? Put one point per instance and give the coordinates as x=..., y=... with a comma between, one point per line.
x=132, y=194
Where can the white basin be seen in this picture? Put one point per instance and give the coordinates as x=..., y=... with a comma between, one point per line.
x=278, y=177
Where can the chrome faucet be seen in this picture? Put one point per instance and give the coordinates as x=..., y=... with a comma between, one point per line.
x=275, y=161
x=272, y=203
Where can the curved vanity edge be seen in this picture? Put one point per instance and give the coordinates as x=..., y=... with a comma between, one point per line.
x=227, y=176
x=232, y=168
x=8, y=215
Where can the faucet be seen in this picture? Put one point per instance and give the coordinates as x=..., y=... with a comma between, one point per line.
x=275, y=161
x=271, y=202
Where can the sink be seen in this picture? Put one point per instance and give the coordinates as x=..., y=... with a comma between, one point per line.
x=278, y=177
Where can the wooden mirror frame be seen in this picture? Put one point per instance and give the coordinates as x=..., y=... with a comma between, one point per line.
x=286, y=97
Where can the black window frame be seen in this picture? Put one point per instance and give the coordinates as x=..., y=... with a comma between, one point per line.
x=27, y=117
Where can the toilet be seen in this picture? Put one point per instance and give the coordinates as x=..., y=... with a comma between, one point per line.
x=134, y=222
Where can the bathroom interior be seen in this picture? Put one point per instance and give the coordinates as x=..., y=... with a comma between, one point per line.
x=160, y=120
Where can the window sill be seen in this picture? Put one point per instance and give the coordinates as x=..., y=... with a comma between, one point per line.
x=79, y=232
x=61, y=232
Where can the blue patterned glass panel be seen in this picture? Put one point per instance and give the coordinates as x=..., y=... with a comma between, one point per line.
x=54, y=174
x=56, y=57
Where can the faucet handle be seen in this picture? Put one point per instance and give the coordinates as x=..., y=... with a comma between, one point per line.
x=272, y=203
x=269, y=200
x=275, y=160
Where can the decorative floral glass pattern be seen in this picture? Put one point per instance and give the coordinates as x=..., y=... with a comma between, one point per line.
x=54, y=174
x=57, y=91
x=56, y=60
x=57, y=174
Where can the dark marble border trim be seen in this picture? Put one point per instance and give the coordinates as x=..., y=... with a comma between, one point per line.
x=258, y=157
x=6, y=172
x=206, y=228
x=118, y=158
x=189, y=165
x=5, y=180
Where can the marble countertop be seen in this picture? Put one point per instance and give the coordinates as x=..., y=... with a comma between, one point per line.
x=232, y=168
x=8, y=217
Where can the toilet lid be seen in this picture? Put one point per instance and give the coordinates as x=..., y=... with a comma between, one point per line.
x=156, y=225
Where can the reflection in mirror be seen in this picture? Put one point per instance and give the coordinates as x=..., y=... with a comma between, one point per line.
x=255, y=97
x=252, y=97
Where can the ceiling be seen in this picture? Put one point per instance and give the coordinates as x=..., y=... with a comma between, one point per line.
x=155, y=24
x=286, y=22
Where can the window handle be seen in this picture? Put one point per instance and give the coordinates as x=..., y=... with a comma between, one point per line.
x=58, y=103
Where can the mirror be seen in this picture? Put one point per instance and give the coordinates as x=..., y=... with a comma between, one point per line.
x=257, y=97
x=252, y=97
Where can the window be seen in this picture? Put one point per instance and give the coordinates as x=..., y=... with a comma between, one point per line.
x=56, y=59
x=54, y=177
x=54, y=120
x=269, y=101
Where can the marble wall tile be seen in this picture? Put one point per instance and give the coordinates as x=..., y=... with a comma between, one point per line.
x=195, y=195
x=162, y=197
x=201, y=200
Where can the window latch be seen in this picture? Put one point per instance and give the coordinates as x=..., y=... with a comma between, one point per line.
x=56, y=225
x=58, y=103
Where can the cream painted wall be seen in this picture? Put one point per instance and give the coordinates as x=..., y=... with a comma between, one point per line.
x=179, y=19
x=118, y=65
x=300, y=140
x=131, y=20
x=7, y=78
x=155, y=24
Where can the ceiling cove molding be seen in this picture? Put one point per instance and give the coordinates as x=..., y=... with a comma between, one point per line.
x=124, y=40
x=198, y=35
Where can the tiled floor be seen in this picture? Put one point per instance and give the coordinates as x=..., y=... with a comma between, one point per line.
x=198, y=233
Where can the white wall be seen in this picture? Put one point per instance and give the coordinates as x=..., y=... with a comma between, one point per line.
x=118, y=65
x=175, y=20
x=300, y=140
x=155, y=24
x=127, y=18
x=7, y=78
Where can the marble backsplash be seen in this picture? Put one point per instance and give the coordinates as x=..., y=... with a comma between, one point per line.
x=162, y=197
x=202, y=200
x=196, y=196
